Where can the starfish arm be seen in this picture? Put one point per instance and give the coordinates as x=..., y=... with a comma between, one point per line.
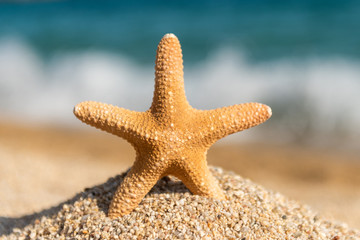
x=197, y=177
x=228, y=120
x=118, y=121
x=137, y=183
x=169, y=94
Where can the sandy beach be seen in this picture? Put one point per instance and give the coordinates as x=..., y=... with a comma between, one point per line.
x=297, y=176
x=41, y=166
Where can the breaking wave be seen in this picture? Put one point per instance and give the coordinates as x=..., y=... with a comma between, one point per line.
x=312, y=99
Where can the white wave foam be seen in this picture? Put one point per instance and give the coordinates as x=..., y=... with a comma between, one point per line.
x=310, y=98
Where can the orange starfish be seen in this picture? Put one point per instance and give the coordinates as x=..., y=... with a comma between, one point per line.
x=171, y=138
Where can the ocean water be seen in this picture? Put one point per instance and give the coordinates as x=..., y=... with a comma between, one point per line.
x=302, y=58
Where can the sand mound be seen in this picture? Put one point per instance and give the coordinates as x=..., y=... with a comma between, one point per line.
x=170, y=211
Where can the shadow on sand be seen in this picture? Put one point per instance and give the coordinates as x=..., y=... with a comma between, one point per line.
x=101, y=193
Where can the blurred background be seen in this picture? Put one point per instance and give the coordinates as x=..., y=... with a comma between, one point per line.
x=302, y=58
x=299, y=57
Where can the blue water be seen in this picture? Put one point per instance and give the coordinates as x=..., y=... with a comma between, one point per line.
x=263, y=29
x=300, y=57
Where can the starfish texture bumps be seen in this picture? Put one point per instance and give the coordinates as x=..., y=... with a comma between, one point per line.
x=171, y=138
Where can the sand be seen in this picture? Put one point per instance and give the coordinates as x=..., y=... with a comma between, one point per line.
x=170, y=211
x=42, y=166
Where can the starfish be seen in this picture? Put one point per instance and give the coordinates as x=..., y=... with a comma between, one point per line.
x=171, y=137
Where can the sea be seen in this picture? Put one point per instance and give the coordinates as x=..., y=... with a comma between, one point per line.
x=302, y=58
